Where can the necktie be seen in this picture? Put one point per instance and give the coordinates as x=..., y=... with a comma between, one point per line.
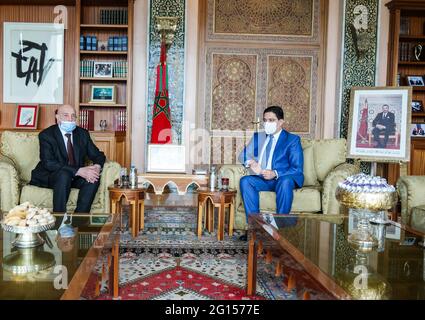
x=70, y=150
x=267, y=155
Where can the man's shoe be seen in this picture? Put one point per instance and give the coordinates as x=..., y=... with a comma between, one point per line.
x=243, y=237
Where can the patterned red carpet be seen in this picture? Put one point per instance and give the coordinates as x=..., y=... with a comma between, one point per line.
x=167, y=261
x=219, y=274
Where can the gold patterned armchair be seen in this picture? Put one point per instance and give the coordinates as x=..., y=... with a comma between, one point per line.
x=19, y=155
x=411, y=190
x=324, y=167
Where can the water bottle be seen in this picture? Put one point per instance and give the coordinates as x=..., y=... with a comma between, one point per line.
x=133, y=177
x=212, y=179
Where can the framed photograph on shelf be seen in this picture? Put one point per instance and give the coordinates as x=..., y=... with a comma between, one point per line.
x=417, y=130
x=103, y=94
x=102, y=69
x=379, y=124
x=415, y=81
x=417, y=106
x=33, y=62
x=102, y=45
x=26, y=116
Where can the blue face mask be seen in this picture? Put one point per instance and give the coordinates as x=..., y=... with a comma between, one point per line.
x=67, y=126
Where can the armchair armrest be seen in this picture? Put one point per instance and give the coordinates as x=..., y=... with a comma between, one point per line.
x=235, y=173
x=9, y=185
x=110, y=172
x=411, y=192
x=329, y=203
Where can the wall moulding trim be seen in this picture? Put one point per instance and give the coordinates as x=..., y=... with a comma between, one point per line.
x=312, y=38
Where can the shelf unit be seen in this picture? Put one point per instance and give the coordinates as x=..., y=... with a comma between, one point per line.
x=88, y=13
x=407, y=30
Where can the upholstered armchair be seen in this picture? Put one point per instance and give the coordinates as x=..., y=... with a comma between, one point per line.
x=324, y=167
x=411, y=190
x=19, y=155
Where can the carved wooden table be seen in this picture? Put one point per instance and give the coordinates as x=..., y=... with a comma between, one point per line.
x=180, y=181
x=216, y=199
x=135, y=197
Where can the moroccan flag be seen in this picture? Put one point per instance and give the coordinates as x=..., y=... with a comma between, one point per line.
x=161, y=121
x=362, y=133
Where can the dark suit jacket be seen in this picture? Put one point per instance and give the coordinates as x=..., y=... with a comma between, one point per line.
x=53, y=155
x=288, y=157
x=388, y=122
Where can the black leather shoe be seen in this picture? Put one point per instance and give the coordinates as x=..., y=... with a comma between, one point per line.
x=243, y=237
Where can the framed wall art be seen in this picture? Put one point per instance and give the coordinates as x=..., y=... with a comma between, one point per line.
x=380, y=123
x=26, y=116
x=33, y=62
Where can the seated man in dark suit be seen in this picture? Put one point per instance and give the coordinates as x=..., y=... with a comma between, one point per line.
x=384, y=123
x=64, y=149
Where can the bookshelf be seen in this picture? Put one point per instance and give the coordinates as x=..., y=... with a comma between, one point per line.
x=104, y=50
x=407, y=32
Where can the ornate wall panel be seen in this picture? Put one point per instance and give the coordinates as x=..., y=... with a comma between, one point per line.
x=241, y=83
x=289, y=85
x=357, y=71
x=233, y=93
x=272, y=20
x=175, y=61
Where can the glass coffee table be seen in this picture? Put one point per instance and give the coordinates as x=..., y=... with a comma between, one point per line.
x=393, y=270
x=60, y=268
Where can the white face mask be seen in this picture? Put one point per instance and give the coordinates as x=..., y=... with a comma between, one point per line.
x=270, y=127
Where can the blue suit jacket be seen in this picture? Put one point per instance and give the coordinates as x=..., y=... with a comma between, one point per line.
x=288, y=158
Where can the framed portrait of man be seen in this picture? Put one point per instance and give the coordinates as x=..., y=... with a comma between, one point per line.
x=379, y=126
x=33, y=62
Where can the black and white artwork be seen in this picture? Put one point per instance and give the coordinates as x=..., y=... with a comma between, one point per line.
x=33, y=62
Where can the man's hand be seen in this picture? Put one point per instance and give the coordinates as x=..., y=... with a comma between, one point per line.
x=380, y=126
x=254, y=166
x=90, y=173
x=268, y=174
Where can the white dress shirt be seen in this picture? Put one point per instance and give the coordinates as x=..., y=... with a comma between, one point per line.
x=65, y=139
x=263, y=151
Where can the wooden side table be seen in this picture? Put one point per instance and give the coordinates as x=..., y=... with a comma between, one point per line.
x=216, y=199
x=136, y=199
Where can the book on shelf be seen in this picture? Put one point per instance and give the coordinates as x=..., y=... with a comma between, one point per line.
x=124, y=43
x=406, y=51
x=120, y=120
x=87, y=119
x=113, y=16
x=116, y=44
x=82, y=42
x=94, y=43
x=404, y=26
x=88, y=43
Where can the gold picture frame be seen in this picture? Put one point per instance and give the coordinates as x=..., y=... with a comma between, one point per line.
x=379, y=125
x=103, y=94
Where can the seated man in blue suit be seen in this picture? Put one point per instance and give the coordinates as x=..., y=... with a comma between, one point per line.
x=275, y=158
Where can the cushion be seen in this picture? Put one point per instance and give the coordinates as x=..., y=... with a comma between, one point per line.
x=418, y=218
x=43, y=197
x=310, y=177
x=305, y=200
x=23, y=149
x=328, y=154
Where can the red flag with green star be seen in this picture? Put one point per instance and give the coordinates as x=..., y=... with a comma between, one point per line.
x=161, y=121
